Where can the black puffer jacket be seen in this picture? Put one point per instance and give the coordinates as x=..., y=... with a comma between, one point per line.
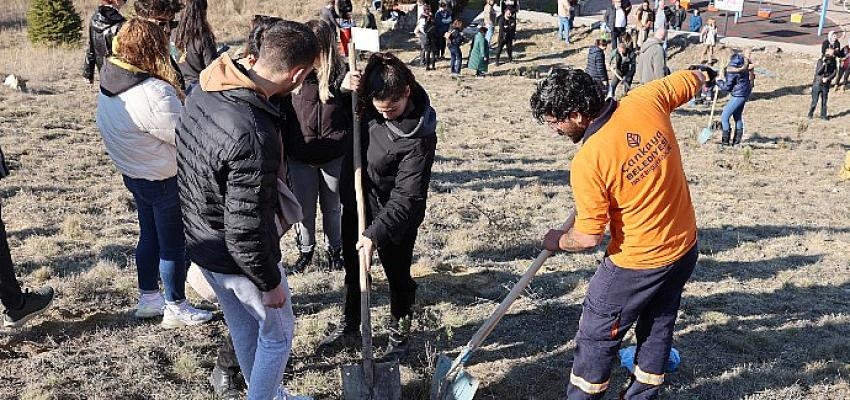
x=228, y=155
x=398, y=158
x=315, y=133
x=596, y=64
x=104, y=25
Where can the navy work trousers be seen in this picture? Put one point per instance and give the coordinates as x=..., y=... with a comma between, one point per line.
x=616, y=299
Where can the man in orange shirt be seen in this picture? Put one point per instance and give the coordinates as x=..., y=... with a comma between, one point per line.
x=627, y=175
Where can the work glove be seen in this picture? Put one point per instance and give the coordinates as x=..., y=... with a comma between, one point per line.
x=710, y=73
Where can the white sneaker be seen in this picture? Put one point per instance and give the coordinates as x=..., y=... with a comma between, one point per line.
x=150, y=305
x=182, y=314
x=283, y=394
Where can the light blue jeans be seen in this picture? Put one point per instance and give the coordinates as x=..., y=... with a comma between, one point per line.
x=262, y=336
x=735, y=109
x=564, y=26
x=489, y=36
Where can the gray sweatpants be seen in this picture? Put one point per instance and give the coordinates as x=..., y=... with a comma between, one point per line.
x=262, y=336
x=308, y=183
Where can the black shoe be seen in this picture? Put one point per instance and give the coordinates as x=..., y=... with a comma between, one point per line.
x=224, y=384
x=335, y=262
x=736, y=140
x=399, y=339
x=35, y=303
x=303, y=262
x=345, y=334
x=724, y=139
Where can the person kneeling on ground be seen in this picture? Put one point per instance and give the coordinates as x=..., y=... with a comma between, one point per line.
x=230, y=165
x=399, y=143
x=653, y=247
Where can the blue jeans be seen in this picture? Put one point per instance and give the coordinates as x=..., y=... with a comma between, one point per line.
x=161, y=250
x=457, y=59
x=489, y=36
x=262, y=336
x=564, y=26
x=735, y=109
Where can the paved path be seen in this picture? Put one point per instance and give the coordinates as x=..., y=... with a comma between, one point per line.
x=750, y=30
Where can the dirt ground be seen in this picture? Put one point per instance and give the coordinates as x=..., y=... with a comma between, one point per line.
x=765, y=315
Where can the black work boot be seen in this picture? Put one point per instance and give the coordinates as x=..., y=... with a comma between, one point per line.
x=304, y=259
x=736, y=140
x=724, y=140
x=399, y=339
x=34, y=303
x=224, y=383
x=344, y=334
x=335, y=262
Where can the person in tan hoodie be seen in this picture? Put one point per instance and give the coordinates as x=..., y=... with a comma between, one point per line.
x=229, y=151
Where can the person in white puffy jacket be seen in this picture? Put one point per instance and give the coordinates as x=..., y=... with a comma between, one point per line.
x=137, y=110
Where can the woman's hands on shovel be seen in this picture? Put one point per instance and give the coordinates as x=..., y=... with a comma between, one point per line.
x=366, y=247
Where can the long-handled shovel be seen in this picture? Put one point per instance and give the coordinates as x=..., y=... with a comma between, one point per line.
x=371, y=380
x=451, y=381
x=708, y=132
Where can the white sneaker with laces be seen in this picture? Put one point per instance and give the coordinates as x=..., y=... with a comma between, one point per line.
x=150, y=305
x=283, y=394
x=181, y=314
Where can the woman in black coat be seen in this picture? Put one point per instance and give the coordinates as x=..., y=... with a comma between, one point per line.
x=195, y=41
x=399, y=140
x=507, y=34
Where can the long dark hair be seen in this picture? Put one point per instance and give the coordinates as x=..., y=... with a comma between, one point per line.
x=193, y=25
x=386, y=78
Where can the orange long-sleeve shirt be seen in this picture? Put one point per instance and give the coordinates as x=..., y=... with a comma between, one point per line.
x=629, y=173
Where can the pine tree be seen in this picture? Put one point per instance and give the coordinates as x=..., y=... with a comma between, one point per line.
x=53, y=22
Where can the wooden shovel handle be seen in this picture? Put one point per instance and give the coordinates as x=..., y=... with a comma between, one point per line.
x=520, y=286
x=365, y=261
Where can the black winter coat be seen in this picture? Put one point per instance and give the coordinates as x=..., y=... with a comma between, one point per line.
x=507, y=28
x=596, y=64
x=200, y=52
x=826, y=68
x=228, y=156
x=103, y=27
x=397, y=169
x=315, y=133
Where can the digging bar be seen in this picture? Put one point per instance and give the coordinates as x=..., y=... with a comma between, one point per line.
x=707, y=132
x=371, y=380
x=451, y=381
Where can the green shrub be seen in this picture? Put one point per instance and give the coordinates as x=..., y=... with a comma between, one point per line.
x=53, y=22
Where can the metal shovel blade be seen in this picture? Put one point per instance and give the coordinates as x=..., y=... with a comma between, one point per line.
x=461, y=386
x=705, y=135
x=387, y=382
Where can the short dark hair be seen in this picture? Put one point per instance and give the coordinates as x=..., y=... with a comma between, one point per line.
x=287, y=45
x=157, y=9
x=565, y=91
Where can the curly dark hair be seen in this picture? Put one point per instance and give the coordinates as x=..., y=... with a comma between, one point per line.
x=259, y=24
x=157, y=9
x=565, y=91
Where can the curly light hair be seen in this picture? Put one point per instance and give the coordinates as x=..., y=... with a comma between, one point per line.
x=144, y=45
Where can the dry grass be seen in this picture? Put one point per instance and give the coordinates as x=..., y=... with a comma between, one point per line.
x=764, y=317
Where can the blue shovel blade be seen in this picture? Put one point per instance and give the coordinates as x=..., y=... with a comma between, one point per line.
x=705, y=135
x=463, y=387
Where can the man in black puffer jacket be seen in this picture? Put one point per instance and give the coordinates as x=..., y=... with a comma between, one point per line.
x=596, y=64
x=229, y=162
x=104, y=25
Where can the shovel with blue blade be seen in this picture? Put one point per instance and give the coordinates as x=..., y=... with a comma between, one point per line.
x=451, y=381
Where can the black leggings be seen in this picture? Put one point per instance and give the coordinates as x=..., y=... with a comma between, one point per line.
x=10, y=290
